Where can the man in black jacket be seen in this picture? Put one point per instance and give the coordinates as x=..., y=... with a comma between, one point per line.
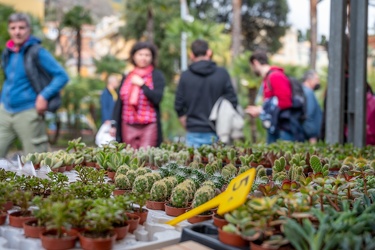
x=199, y=88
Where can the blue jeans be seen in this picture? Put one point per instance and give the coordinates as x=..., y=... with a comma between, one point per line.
x=279, y=135
x=197, y=139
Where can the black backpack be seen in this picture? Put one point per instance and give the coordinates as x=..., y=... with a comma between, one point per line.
x=36, y=74
x=292, y=118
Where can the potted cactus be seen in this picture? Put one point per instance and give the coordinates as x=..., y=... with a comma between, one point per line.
x=158, y=196
x=203, y=195
x=179, y=200
x=122, y=184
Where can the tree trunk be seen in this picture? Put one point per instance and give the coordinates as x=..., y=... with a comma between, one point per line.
x=236, y=34
x=150, y=25
x=313, y=33
x=79, y=45
x=253, y=126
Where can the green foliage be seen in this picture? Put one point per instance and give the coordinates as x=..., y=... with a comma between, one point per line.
x=122, y=182
x=317, y=166
x=279, y=165
x=109, y=64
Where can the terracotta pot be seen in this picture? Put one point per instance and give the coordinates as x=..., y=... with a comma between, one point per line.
x=37, y=165
x=69, y=167
x=32, y=230
x=199, y=218
x=142, y=215
x=219, y=221
x=89, y=243
x=174, y=211
x=155, y=205
x=16, y=219
x=111, y=175
x=133, y=221
x=55, y=170
x=232, y=239
x=255, y=246
x=75, y=231
x=51, y=242
x=7, y=206
x=3, y=217
x=120, y=191
x=62, y=169
x=90, y=164
x=121, y=231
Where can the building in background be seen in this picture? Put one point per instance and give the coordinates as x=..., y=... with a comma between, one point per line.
x=298, y=53
x=33, y=7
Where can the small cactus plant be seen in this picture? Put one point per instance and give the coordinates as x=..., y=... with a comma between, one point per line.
x=122, y=182
x=159, y=191
x=180, y=196
x=203, y=195
x=140, y=185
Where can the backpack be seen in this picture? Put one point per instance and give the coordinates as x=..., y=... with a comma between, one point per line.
x=291, y=119
x=36, y=74
x=370, y=119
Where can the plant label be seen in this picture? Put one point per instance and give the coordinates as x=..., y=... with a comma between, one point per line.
x=233, y=197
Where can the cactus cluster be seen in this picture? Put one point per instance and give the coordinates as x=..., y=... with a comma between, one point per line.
x=261, y=174
x=278, y=170
x=123, y=169
x=170, y=182
x=295, y=172
x=228, y=172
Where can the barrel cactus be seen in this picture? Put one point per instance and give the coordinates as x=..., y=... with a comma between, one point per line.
x=180, y=196
x=203, y=195
x=122, y=182
x=140, y=185
x=159, y=191
x=123, y=169
x=131, y=174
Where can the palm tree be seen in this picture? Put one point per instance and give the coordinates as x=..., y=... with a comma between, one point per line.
x=75, y=18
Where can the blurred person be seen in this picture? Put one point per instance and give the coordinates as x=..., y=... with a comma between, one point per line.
x=314, y=115
x=22, y=108
x=198, y=90
x=108, y=98
x=277, y=96
x=137, y=110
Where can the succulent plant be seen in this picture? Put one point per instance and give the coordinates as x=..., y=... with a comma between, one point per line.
x=229, y=171
x=218, y=180
x=170, y=182
x=52, y=161
x=122, y=182
x=142, y=171
x=243, y=169
x=180, y=196
x=191, y=187
x=317, y=167
x=295, y=172
x=115, y=160
x=123, y=169
x=140, y=185
x=159, y=191
x=203, y=195
x=131, y=174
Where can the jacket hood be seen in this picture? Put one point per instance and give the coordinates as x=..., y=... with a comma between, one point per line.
x=30, y=41
x=274, y=68
x=203, y=67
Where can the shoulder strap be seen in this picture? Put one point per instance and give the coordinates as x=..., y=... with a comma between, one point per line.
x=32, y=63
x=4, y=60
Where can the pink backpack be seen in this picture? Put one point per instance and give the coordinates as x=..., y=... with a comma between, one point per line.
x=370, y=121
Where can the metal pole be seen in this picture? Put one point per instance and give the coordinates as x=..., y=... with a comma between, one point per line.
x=358, y=72
x=336, y=91
x=184, y=60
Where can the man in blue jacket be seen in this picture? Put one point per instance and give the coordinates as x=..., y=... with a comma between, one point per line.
x=313, y=122
x=21, y=108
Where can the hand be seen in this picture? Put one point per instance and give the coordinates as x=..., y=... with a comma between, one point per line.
x=112, y=132
x=137, y=80
x=254, y=111
x=313, y=140
x=41, y=104
x=182, y=120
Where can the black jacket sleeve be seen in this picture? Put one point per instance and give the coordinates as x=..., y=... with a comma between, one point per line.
x=179, y=103
x=155, y=95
